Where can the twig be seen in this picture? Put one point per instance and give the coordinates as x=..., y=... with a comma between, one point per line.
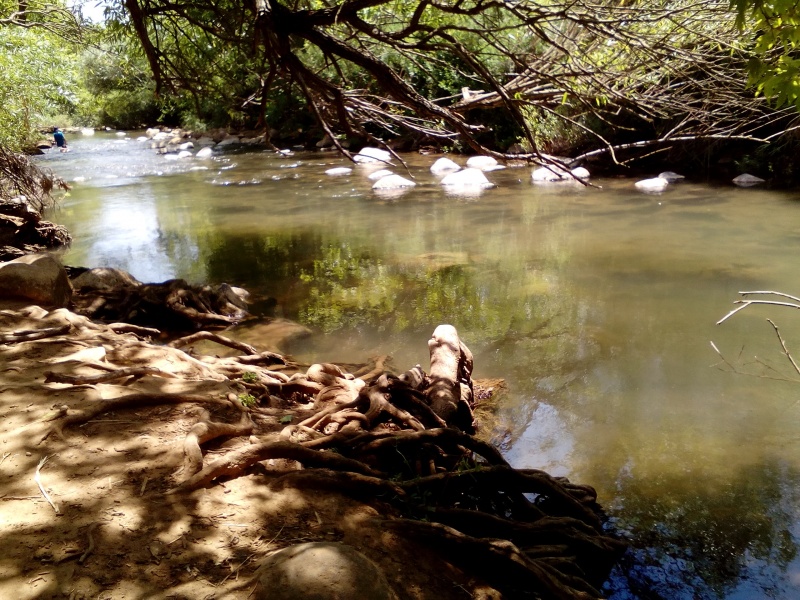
x=746, y=303
x=781, y=294
x=89, y=550
x=41, y=487
x=783, y=345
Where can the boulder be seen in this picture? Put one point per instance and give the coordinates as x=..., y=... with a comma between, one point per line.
x=444, y=165
x=558, y=173
x=325, y=142
x=747, y=180
x=205, y=141
x=205, y=152
x=379, y=174
x=391, y=182
x=481, y=162
x=321, y=571
x=467, y=178
x=372, y=155
x=36, y=277
x=104, y=279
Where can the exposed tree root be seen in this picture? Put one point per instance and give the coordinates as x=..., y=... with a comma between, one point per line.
x=98, y=407
x=219, y=339
x=403, y=442
x=502, y=564
x=173, y=305
x=29, y=335
x=105, y=377
x=206, y=430
x=236, y=462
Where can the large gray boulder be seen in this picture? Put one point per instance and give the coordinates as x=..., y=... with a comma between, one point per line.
x=104, y=279
x=39, y=278
x=321, y=571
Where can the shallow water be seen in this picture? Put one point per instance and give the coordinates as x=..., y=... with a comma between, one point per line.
x=597, y=306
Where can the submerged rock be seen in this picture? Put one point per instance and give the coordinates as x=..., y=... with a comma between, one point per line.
x=376, y=175
x=337, y=171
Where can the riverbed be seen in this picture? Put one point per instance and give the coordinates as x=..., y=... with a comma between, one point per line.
x=596, y=304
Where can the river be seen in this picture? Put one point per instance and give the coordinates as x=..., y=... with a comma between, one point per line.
x=597, y=305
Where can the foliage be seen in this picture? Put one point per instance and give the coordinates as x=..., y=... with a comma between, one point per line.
x=247, y=400
x=611, y=73
x=775, y=66
x=38, y=79
x=119, y=91
x=250, y=377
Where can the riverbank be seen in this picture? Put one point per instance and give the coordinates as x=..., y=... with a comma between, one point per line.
x=97, y=428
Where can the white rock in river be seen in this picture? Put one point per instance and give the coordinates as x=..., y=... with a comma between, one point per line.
x=204, y=152
x=657, y=184
x=549, y=173
x=747, y=180
x=184, y=154
x=336, y=171
x=392, y=182
x=444, y=165
x=375, y=175
x=371, y=155
x=467, y=178
x=481, y=162
x=580, y=173
x=558, y=173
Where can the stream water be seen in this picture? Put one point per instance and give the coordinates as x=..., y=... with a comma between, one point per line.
x=597, y=307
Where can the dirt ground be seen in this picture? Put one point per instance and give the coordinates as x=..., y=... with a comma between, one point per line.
x=110, y=529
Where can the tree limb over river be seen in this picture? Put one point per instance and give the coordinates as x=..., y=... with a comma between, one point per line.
x=613, y=75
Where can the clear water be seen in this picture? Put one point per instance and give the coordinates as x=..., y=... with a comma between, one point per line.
x=596, y=305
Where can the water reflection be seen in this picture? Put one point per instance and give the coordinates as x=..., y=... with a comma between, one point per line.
x=596, y=305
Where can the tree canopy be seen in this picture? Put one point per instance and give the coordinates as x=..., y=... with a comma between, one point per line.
x=610, y=73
